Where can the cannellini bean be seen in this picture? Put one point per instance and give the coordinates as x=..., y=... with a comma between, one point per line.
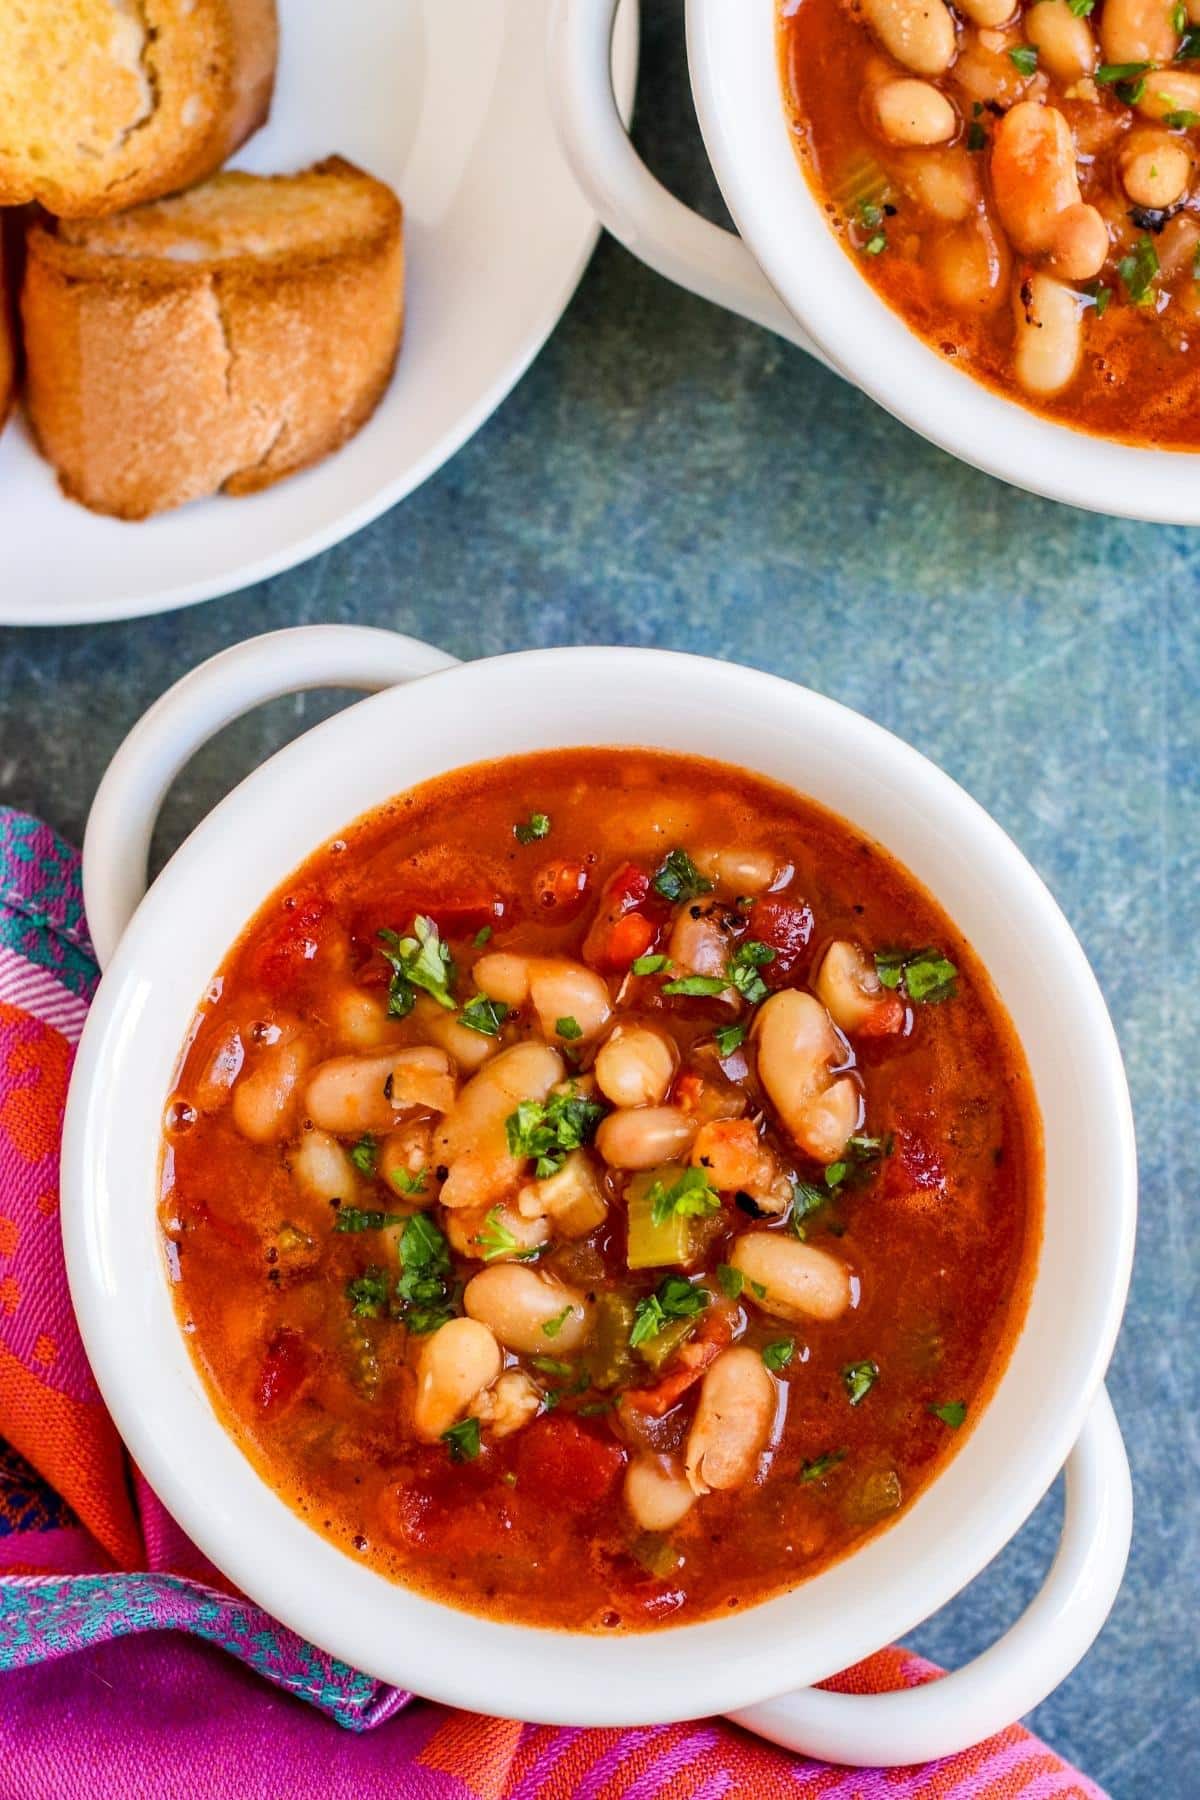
x=943, y=183
x=220, y=1072
x=571, y=1199
x=1036, y=188
x=657, y=1493
x=406, y=1154
x=985, y=73
x=1155, y=169
x=360, y=1018
x=987, y=12
x=918, y=33
x=559, y=989
x=1064, y=43
x=1168, y=91
x=516, y=1303
x=912, y=112
x=733, y=871
x=1049, y=334
x=635, y=1066
x=801, y=1281
x=468, y=1049
x=322, y=1169
x=737, y=1161
x=798, y=1049
x=511, y=1403
x=734, y=1416
x=971, y=264
x=853, y=995
x=643, y=1136
x=1137, y=31
x=471, y=1139
x=264, y=1099
x=1177, y=244
x=474, y=1232
x=699, y=942
x=455, y=1363
x=352, y=1094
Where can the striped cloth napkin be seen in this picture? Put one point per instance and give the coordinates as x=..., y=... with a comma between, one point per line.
x=103, y=1695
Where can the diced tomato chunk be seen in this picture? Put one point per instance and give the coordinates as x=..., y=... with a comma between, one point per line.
x=283, y=1372
x=886, y=1018
x=562, y=1464
x=914, y=1166
x=277, y=961
x=787, y=926
x=624, y=927
x=685, y=1367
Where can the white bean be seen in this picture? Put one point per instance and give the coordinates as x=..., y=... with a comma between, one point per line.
x=511, y=1403
x=657, y=1494
x=641, y=1137
x=1137, y=31
x=322, y=1169
x=1036, y=187
x=360, y=1018
x=220, y=1072
x=352, y=1094
x=471, y=1139
x=734, y=1416
x=477, y=1232
x=560, y=989
x=851, y=992
x=698, y=944
x=943, y=183
x=1064, y=43
x=571, y=1199
x=801, y=1281
x=455, y=1363
x=797, y=1050
x=1049, y=335
x=912, y=112
x=741, y=871
x=988, y=13
x=264, y=1099
x=1155, y=169
x=468, y=1049
x=1167, y=91
x=971, y=263
x=517, y=1303
x=635, y=1066
x=406, y=1159
x=918, y=33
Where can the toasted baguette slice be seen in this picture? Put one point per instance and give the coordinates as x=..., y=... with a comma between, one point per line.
x=218, y=340
x=105, y=103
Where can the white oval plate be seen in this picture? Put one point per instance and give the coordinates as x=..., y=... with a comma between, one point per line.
x=447, y=103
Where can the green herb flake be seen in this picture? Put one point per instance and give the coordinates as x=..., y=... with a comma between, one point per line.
x=952, y=1414
x=369, y=1294
x=678, y=879
x=1179, y=19
x=807, y=1199
x=858, y=1379
x=549, y=1129
x=651, y=965
x=731, y=1281
x=353, y=1218
x=1181, y=119
x=1080, y=8
x=551, y=1365
x=696, y=986
x=495, y=1239
x=859, y=1161
x=481, y=936
x=749, y=957
x=692, y=1196
x=1108, y=74
x=729, y=1039
x=484, y=1016
x=410, y=1181
x=537, y=826
x=1137, y=271
x=568, y=1028
x=553, y=1326
x=758, y=1289
x=1189, y=48
x=425, y=1294
x=364, y=1155
x=1024, y=59
x=820, y=1466
x=778, y=1355
x=977, y=137
x=1130, y=92
x=876, y=245
x=462, y=1440
x=420, y=961
x=674, y=1298
x=1101, y=295
x=926, y=976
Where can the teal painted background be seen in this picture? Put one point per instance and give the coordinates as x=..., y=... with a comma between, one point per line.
x=667, y=475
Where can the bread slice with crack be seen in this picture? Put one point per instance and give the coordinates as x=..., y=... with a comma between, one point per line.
x=106, y=103
x=218, y=340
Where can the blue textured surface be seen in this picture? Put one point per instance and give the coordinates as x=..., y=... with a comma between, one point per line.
x=667, y=475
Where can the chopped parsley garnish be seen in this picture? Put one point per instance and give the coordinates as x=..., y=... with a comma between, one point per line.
x=858, y=1379
x=1101, y=295
x=495, y=1239
x=729, y=1039
x=553, y=1326
x=679, y=879
x=425, y=1295
x=420, y=961
x=820, y=1466
x=926, y=976
x=481, y=936
x=858, y=1160
x=870, y=218
x=756, y=1287
x=674, y=1298
x=692, y=1196
x=1108, y=74
x=365, y=1154
x=537, y=826
x=462, y=1440
x=731, y=1281
x=749, y=957
x=977, y=137
x=368, y=1294
x=568, y=1028
x=1138, y=269
x=1181, y=119
x=778, y=1355
x=698, y=986
x=551, y=1365
x=1178, y=19
x=549, y=1129
x=353, y=1218
x=410, y=1181
x=1189, y=48
x=1023, y=59
x=650, y=965
x=806, y=1199
x=484, y=1015
x=952, y=1414
x=1080, y=8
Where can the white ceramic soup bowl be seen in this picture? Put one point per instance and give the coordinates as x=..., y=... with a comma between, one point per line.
x=1049, y=1406
x=788, y=271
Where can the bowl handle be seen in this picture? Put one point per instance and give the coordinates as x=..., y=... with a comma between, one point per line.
x=636, y=208
x=916, y=1725
x=116, y=844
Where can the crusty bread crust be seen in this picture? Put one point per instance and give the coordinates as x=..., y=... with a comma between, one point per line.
x=210, y=70
x=152, y=381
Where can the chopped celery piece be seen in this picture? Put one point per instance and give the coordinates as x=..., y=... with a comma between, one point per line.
x=656, y=1555
x=609, y=1360
x=658, y=1350
x=654, y=1246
